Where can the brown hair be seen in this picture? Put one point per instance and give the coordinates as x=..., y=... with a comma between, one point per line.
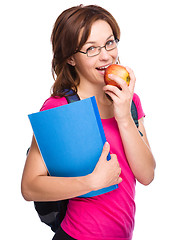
x=65, y=42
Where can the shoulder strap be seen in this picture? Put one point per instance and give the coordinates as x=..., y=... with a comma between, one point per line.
x=72, y=96
x=135, y=115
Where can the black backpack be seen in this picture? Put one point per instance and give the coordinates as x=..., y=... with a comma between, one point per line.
x=52, y=213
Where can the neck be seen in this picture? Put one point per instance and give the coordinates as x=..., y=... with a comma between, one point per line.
x=105, y=105
x=89, y=90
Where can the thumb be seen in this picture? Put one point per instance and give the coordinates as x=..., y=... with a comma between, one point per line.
x=105, y=151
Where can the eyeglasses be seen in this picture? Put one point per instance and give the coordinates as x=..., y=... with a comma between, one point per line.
x=94, y=51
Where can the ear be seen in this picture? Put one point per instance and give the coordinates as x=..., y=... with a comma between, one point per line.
x=118, y=61
x=71, y=61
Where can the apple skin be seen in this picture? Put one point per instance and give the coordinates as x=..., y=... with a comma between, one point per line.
x=118, y=70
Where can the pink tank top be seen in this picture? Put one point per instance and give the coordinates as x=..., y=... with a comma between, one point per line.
x=109, y=216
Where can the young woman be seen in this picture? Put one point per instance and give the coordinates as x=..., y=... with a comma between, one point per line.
x=84, y=41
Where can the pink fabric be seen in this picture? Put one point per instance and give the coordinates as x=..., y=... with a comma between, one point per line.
x=109, y=216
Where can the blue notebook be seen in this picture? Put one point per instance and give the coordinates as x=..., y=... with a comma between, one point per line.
x=71, y=139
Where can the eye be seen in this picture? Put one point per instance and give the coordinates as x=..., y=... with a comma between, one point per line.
x=91, y=49
x=110, y=43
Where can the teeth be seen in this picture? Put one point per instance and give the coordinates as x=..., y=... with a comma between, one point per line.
x=102, y=68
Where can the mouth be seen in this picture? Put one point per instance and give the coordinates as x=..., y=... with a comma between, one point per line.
x=103, y=68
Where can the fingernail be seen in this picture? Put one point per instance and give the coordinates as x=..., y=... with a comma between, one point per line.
x=106, y=144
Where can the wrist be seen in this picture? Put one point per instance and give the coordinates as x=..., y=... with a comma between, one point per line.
x=92, y=182
x=125, y=122
x=88, y=182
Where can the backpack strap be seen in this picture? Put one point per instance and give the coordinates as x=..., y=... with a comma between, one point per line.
x=73, y=97
x=135, y=115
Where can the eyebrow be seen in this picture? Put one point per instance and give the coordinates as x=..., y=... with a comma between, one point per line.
x=93, y=42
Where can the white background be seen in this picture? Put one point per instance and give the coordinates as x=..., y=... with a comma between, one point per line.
x=153, y=45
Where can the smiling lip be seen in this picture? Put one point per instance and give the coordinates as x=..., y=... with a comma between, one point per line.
x=101, y=69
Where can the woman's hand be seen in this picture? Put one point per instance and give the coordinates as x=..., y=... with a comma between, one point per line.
x=106, y=173
x=122, y=98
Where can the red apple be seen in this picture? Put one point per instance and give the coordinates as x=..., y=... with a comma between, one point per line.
x=118, y=70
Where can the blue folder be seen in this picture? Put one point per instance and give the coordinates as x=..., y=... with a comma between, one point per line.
x=71, y=139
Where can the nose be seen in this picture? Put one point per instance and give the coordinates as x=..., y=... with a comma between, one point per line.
x=104, y=54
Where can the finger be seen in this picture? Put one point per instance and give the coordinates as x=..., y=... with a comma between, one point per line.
x=120, y=82
x=110, y=88
x=115, y=90
x=112, y=96
x=119, y=180
x=105, y=151
x=132, y=87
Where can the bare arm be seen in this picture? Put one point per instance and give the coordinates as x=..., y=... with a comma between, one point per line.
x=38, y=186
x=137, y=148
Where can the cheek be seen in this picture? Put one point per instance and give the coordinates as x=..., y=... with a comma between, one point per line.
x=115, y=54
x=84, y=68
x=86, y=64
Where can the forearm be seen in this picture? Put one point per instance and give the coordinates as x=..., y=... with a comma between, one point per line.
x=37, y=186
x=137, y=151
x=46, y=188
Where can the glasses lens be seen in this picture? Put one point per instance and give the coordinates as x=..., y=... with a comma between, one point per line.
x=93, y=52
x=111, y=45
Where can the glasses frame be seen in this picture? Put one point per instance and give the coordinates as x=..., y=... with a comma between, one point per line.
x=99, y=48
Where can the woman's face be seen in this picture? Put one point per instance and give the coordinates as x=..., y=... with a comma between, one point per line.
x=92, y=68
